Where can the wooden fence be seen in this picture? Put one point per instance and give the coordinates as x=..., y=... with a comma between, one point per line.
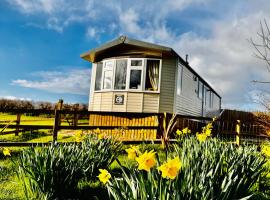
x=133, y=124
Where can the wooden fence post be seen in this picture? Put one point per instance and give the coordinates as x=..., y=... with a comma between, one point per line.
x=237, y=129
x=57, y=119
x=18, y=121
x=75, y=117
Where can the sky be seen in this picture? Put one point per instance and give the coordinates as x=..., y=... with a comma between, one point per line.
x=41, y=42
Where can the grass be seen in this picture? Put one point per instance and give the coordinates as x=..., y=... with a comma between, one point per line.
x=10, y=188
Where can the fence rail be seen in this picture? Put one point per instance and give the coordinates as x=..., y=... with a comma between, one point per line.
x=222, y=129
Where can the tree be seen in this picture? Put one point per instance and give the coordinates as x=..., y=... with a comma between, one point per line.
x=262, y=52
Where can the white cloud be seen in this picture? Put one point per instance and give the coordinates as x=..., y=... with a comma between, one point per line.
x=223, y=56
x=15, y=98
x=76, y=81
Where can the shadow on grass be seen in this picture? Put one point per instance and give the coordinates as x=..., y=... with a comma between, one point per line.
x=23, y=137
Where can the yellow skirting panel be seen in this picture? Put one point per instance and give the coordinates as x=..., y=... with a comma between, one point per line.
x=123, y=133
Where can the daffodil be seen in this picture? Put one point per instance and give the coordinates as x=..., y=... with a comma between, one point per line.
x=104, y=176
x=178, y=132
x=183, y=132
x=97, y=131
x=133, y=152
x=201, y=137
x=207, y=129
x=79, y=136
x=6, y=152
x=266, y=150
x=146, y=161
x=186, y=131
x=171, y=168
x=101, y=136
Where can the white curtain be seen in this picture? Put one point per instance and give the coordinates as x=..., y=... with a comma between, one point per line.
x=153, y=72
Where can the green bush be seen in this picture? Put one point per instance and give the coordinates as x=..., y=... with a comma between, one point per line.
x=54, y=172
x=210, y=170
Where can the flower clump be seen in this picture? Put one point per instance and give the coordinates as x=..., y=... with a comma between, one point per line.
x=171, y=168
x=184, y=132
x=146, y=161
x=104, y=176
x=206, y=131
x=79, y=136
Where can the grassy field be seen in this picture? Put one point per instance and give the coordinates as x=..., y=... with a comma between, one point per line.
x=37, y=135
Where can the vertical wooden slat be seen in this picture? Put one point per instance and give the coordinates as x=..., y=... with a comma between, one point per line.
x=18, y=121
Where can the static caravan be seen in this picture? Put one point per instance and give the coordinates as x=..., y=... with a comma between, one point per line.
x=129, y=75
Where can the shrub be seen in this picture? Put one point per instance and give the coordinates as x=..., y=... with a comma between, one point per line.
x=54, y=172
x=207, y=170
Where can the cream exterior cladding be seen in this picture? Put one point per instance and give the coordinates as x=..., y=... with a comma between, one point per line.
x=134, y=76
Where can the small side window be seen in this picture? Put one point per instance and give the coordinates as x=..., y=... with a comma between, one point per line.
x=107, y=75
x=120, y=75
x=98, y=80
x=200, y=89
x=179, y=78
x=152, y=75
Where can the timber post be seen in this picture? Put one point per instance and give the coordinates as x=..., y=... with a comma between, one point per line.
x=18, y=121
x=57, y=119
x=75, y=117
x=238, y=131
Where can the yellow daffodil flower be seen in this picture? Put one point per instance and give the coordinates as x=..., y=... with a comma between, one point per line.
x=266, y=150
x=133, y=152
x=104, y=176
x=101, y=136
x=171, y=168
x=6, y=152
x=186, y=131
x=97, y=131
x=201, y=137
x=178, y=132
x=146, y=161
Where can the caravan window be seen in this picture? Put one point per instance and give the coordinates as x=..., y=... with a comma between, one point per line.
x=200, y=89
x=152, y=75
x=107, y=75
x=98, y=81
x=135, y=74
x=120, y=75
x=135, y=79
x=179, y=78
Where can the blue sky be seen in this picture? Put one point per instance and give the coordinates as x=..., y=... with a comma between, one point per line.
x=41, y=40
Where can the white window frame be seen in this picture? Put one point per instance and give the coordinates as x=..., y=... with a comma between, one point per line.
x=159, y=74
x=103, y=73
x=129, y=68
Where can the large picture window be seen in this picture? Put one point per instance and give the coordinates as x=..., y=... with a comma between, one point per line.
x=120, y=75
x=98, y=81
x=152, y=75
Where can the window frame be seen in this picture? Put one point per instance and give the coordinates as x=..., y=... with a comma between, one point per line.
x=159, y=74
x=114, y=73
x=103, y=73
x=129, y=68
x=179, y=82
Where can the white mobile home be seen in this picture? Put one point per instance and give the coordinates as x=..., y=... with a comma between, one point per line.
x=134, y=76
